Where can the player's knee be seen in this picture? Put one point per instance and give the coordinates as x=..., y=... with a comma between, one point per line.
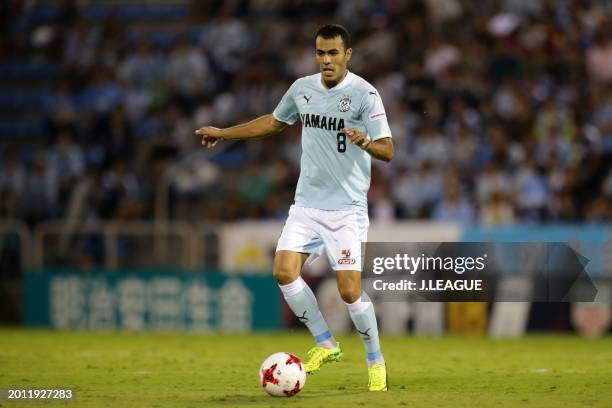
x=349, y=292
x=284, y=275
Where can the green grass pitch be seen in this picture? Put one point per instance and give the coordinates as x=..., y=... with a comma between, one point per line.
x=201, y=370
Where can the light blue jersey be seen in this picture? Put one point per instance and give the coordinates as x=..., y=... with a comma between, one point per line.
x=335, y=174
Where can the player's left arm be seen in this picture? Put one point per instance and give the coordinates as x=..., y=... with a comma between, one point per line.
x=381, y=149
x=377, y=139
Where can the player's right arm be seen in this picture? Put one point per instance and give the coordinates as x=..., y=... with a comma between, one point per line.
x=265, y=125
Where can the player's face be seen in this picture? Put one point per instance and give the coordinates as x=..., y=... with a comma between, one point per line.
x=332, y=59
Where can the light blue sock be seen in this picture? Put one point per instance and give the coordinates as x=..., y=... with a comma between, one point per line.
x=304, y=305
x=364, y=319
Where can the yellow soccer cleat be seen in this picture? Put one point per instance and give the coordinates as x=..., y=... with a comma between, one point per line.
x=320, y=355
x=378, y=378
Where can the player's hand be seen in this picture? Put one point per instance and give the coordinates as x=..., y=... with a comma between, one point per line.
x=357, y=138
x=210, y=135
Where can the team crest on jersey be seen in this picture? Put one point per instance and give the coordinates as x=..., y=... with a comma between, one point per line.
x=345, y=103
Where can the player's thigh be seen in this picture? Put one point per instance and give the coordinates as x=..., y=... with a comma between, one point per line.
x=299, y=240
x=343, y=234
x=349, y=285
x=343, y=237
x=288, y=265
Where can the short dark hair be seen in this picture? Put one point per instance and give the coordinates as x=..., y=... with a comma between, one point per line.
x=330, y=31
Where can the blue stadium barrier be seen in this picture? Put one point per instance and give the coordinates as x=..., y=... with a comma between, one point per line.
x=150, y=299
x=593, y=233
x=591, y=240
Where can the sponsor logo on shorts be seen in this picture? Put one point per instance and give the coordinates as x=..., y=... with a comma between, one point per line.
x=346, y=258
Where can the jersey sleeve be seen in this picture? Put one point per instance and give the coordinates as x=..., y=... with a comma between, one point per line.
x=374, y=117
x=286, y=111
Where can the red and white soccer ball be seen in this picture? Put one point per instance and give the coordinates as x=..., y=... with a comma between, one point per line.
x=282, y=375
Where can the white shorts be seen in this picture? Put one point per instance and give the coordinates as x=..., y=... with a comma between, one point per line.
x=339, y=233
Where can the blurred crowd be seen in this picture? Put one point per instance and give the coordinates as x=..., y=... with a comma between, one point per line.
x=501, y=111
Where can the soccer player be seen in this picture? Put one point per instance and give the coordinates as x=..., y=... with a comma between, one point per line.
x=344, y=124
